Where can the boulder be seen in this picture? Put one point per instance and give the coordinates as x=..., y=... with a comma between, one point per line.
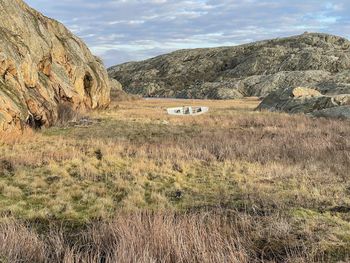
x=299, y=92
x=307, y=100
x=42, y=64
x=115, y=85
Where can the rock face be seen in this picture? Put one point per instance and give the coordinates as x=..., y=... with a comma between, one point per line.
x=42, y=65
x=310, y=101
x=341, y=112
x=308, y=60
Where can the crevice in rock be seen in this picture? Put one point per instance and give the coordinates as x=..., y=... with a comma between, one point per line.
x=88, y=83
x=35, y=122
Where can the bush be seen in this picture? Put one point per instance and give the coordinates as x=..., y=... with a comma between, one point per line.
x=66, y=114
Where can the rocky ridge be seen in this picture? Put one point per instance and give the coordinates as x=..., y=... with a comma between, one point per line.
x=312, y=60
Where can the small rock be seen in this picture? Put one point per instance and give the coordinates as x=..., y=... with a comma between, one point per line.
x=99, y=154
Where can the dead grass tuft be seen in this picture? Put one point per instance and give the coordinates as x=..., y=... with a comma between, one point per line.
x=19, y=244
x=17, y=136
x=162, y=237
x=66, y=114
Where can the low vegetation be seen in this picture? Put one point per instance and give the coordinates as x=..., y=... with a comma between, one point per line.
x=136, y=185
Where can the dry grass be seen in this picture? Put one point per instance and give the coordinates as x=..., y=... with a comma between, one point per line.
x=162, y=237
x=287, y=178
x=17, y=137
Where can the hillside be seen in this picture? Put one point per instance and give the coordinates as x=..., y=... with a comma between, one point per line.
x=42, y=66
x=310, y=60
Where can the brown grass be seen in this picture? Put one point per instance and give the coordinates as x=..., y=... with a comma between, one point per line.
x=162, y=237
x=16, y=136
x=285, y=176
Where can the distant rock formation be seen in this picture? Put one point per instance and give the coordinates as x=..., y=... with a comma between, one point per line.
x=42, y=64
x=309, y=60
x=310, y=101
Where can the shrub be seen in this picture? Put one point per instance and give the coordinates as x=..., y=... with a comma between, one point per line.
x=66, y=114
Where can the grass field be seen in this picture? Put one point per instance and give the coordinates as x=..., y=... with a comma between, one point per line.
x=137, y=185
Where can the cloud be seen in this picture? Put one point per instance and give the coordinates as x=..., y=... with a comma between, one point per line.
x=124, y=30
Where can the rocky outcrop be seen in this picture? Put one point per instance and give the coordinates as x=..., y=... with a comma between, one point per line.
x=42, y=64
x=115, y=85
x=308, y=60
x=341, y=112
x=309, y=101
x=300, y=92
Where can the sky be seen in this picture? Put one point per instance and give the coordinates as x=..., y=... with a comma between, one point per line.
x=119, y=31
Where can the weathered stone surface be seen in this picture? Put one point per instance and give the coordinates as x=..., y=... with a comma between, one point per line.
x=306, y=100
x=299, y=92
x=309, y=60
x=42, y=64
x=342, y=112
x=115, y=85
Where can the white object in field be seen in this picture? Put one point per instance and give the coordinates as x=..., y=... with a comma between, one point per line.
x=187, y=110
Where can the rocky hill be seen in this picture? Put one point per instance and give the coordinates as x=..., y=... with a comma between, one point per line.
x=43, y=65
x=314, y=60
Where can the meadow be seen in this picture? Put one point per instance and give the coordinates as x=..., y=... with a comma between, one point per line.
x=133, y=184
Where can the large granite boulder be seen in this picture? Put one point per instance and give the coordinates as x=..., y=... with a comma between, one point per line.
x=42, y=64
x=308, y=60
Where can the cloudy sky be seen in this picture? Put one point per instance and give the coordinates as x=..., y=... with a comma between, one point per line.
x=128, y=30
